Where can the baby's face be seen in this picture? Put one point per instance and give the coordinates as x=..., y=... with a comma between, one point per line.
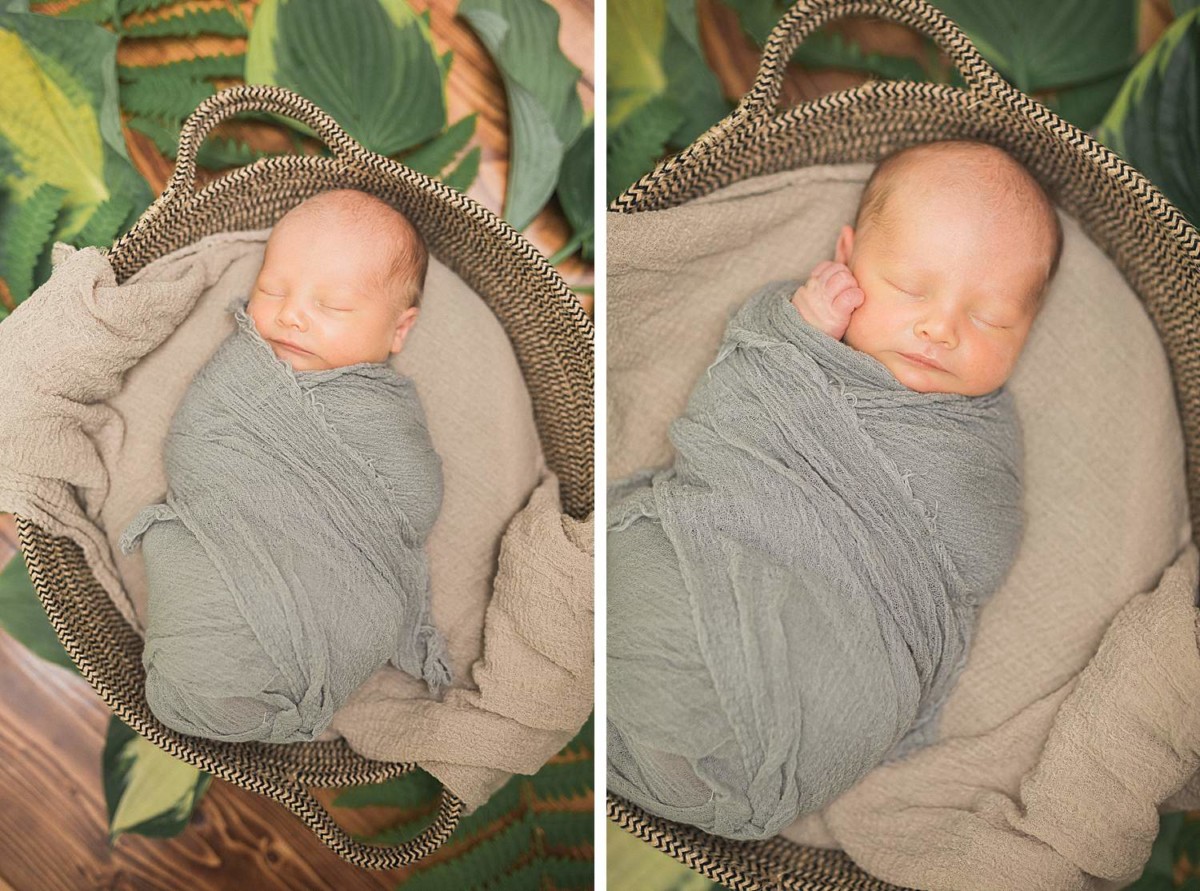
x=950, y=289
x=317, y=300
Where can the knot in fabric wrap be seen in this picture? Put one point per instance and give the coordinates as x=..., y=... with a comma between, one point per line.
x=286, y=563
x=790, y=602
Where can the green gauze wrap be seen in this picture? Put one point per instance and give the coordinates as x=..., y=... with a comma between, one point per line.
x=287, y=564
x=791, y=601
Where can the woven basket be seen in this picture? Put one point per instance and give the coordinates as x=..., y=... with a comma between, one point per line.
x=1155, y=248
x=551, y=335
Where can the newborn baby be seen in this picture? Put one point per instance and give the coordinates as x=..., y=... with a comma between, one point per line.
x=286, y=563
x=790, y=602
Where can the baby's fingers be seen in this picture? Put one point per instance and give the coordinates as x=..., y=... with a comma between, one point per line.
x=849, y=300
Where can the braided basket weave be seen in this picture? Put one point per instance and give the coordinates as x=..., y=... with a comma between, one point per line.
x=1152, y=244
x=551, y=335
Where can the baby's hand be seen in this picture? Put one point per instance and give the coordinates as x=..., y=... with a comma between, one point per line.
x=828, y=298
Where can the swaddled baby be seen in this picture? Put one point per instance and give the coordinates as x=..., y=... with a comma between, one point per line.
x=790, y=602
x=286, y=563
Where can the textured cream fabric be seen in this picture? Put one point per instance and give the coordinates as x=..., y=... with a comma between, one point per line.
x=1105, y=500
x=100, y=369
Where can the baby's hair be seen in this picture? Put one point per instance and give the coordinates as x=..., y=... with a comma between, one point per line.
x=1011, y=181
x=409, y=260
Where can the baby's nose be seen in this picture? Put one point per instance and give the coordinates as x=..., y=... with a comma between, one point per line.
x=937, y=328
x=291, y=316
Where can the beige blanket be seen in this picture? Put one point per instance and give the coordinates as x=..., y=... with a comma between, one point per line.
x=94, y=372
x=1077, y=715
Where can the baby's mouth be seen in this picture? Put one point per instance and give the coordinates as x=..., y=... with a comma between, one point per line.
x=923, y=361
x=291, y=347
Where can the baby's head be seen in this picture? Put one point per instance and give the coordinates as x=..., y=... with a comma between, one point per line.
x=340, y=282
x=953, y=246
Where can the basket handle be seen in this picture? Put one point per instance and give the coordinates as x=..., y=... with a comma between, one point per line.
x=241, y=99
x=301, y=802
x=808, y=15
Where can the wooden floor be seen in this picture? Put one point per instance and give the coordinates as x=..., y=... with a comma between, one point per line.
x=53, y=823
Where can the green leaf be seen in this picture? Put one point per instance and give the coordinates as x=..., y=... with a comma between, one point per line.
x=575, y=189
x=105, y=224
x=190, y=23
x=479, y=865
x=464, y=174
x=566, y=829
x=130, y=6
x=434, y=156
x=1041, y=46
x=545, y=114
x=1180, y=7
x=691, y=83
x=147, y=791
x=414, y=789
x=98, y=11
x=1154, y=124
x=22, y=616
x=584, y=739
x=635, y=146
x=14, y=6
x=199, y=68
x=216, y=153
x=59, y=120
x=1085, y=105
x=369, y=63
x=25, y=236
x=824, y=50
x=636, y=34
x=165, y=97
x=564, y=779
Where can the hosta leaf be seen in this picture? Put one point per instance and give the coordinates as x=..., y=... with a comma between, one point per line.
x=1154, y=123
x=636, y=32
x=635, y=146
x=22, y=616
x=434, y=156
x=147, y=791
x=165, y=97
x=190, y=23
x=59, y=121
x=1086, y=104
x=691, y=83
x=545, y=114
x=25, y=235
x=575, y=189
x=1041, y=46
x=369, y=63
x=464, y=174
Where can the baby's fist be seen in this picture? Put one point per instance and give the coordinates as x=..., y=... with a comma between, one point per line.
x=828, y=298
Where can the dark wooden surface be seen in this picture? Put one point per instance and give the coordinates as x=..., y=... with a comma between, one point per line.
x=53, y=821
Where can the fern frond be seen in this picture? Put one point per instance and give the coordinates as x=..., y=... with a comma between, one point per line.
x=472, y=870
x=409, y=791
x=564, y=873
x=126, y=7
x=432, y=158
x=99, y=11
x=164, y=97
x=565, y=829
x=26, y=229
x=583, y=741
x=505, y=800
x=190, y=23
x=223, y=65
x=563, y=780
x=105, y=223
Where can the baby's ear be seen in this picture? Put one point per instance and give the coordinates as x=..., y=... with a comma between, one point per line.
x=845, y=246
x=403, y=324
